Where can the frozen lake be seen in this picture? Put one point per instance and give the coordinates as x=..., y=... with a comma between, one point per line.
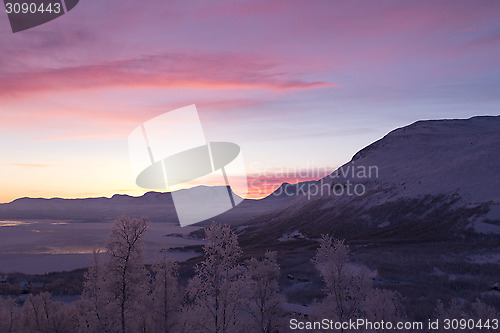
x=43, y=246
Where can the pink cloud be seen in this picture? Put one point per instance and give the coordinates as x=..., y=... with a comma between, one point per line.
x=171, y=71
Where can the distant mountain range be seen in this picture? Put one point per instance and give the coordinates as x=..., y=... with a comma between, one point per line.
x=158, y=206
x=431, y=180
x=155, y=204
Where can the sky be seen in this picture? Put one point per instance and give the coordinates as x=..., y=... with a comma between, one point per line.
x=300, y=86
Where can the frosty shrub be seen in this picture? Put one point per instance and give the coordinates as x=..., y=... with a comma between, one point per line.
x=479, y=315
x=41, y=314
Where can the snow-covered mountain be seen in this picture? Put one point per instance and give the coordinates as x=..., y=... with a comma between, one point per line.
x=438, y=156
x=429, y=180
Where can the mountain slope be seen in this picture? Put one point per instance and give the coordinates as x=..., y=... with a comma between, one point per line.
x=431, y=180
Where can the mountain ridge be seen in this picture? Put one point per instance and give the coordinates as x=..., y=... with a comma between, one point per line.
x=158, y=206
x=443, y=169
x=435, y=180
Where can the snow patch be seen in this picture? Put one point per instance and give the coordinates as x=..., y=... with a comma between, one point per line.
x=384, y=224
x=294, y=235
x=486, y=228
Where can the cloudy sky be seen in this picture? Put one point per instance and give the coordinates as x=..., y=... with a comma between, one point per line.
x=299, y=85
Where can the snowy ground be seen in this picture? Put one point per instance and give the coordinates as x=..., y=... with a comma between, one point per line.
x=36, y=247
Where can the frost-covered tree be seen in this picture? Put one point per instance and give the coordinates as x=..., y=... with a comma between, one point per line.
x=116, y=283
x=265, y=304
x=41, y=314
x=96, y=309
x=346, y=286
x=217, y=290
x=9, y=316
x=480, y=313
x=483, y=311
x=384, y=305
x=126, y=276
x=450, y=311
x=166, y=295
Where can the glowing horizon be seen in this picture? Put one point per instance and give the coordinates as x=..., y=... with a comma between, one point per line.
x=295, y=84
